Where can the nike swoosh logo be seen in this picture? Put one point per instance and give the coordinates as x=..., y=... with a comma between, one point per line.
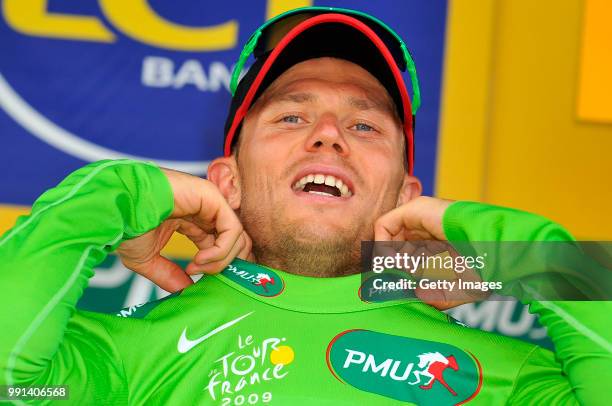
x=185, y=344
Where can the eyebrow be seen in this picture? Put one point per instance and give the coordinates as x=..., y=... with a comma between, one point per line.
x=368, y=104
x=355, y=102
x=293, y=97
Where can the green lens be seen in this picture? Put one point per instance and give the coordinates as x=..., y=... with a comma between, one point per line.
x=244, y=56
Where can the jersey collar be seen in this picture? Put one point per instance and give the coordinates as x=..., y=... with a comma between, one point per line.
x=299, y=293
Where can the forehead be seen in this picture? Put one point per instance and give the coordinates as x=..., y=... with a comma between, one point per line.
x=339, y=74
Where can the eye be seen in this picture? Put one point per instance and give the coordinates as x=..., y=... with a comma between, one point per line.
x=291, y=118
x=363, y=127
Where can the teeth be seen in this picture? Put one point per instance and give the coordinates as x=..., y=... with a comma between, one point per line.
x=321, y=179
x=320, y=193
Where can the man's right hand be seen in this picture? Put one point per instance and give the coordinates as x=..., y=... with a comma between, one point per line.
x=202, y=214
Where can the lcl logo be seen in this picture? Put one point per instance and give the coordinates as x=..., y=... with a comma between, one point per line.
x=134, y=18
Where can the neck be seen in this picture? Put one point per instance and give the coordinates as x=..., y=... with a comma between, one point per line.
x=308, y=262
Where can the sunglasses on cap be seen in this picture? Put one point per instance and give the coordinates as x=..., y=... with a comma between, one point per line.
x=267, y=36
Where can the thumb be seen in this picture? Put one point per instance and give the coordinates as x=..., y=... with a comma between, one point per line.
x=433, y=297
x=437, y=298
x=164, y=273
x=443, y=300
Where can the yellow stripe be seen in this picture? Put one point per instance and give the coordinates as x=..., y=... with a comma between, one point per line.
x=9, y=214
x=596, y=63
x=276, y=7
x=179, y=246
x=465, y=101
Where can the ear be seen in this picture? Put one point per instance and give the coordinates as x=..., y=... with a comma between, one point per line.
x=411, y=188
x=223, y=172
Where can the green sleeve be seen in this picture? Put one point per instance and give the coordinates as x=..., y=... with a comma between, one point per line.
x=580, y=330
x=46, y=260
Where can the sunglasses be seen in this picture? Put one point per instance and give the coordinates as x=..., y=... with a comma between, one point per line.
x=273, y=31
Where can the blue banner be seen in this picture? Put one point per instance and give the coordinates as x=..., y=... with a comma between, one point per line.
x=89, y=80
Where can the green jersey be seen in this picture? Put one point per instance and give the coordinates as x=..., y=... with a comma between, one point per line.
x=255, y=335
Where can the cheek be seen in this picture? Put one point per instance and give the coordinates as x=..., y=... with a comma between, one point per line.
x=385, y=181
x=382, y=167
x=260, y=179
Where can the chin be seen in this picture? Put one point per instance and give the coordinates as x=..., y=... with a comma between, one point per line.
x=307, y=231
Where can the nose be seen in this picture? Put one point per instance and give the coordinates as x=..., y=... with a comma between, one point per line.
x=327, y=135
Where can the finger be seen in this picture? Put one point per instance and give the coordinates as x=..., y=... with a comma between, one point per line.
x=190, y=229
x=193, y=269
x=422, y=214
x=196, y=234
x=395, y=221
x=434, y=298
x=439, y=299
x=217, y=266
x=416, y=235
x=213, y=267
x=444, y=304
x=444, y=299
x=229, y=229
x=205, y=242
x=245, y=252
x=409, y=247
x=398, y=237
x=165, y=274
x=384, y=249
x=435, y=247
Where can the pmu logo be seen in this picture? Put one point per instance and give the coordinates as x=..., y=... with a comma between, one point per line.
x=405, y=369
x=264, y=279
x=257, y=279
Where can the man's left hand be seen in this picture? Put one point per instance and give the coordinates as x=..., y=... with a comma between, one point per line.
x=418, y=220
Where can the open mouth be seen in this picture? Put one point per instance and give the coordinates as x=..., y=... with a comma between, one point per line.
x=324, y=185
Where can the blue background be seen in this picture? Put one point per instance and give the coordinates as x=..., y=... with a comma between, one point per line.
x=94, y=89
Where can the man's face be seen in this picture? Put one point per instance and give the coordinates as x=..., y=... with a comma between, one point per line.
x=320, y=159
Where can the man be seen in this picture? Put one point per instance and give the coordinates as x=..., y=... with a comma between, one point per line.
x=318, y=158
